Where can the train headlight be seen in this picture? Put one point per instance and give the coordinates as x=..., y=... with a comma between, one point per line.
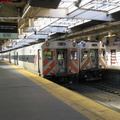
x=74, y=44
x=47, y=44
x=83, y=44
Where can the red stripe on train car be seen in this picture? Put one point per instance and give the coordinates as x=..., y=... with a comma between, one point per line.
x=74, y=49
x=69, y=52
x=54, y=53
x=46, y=49
x=76, y=61
x=102, y=63
x=85, y=64
x=45, y=63
x=73, y=67
x=49, y=68
x=82, y=59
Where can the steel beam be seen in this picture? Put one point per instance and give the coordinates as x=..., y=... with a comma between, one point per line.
x=90, y=15
x=55, y=13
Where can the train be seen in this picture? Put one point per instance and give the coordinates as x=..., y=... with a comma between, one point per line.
x=63, y=61
x=54, y=60
x=92, y=59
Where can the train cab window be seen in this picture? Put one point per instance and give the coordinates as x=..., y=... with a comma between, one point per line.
x=103, y=53
x=60, y=55
x=73, y=55
x=93, y=53
x=48, y=55
x=84, y=54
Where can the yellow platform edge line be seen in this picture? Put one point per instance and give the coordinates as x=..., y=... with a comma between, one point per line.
x=89, y=108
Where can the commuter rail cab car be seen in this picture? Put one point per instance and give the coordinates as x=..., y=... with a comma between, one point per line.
x=92, y=60
x=56, y=60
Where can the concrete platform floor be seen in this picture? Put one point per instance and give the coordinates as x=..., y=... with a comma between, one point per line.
x=26, y=96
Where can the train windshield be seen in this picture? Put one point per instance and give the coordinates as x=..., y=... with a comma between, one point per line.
x=73, y=55
x=84, y=54
x=61, y=61
x=94, y=58
x=48, y=55
x=93, y=53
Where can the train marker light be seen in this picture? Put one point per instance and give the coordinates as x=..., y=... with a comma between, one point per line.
x=84, y=45
x=102, y=45
x=74, y=44
x=47, y=44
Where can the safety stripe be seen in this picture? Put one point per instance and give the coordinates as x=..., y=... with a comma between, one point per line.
x=69, y=52
x=73, y=67
x=48, y=63
x=54, y=53
x=104, y=59
x=50, y=67
x=76, y=61
x=103, y=64
x=46, y=49
x=85, y=64
x=45, y=62
x=73, y=64
x=82, y=59
x=74, y=49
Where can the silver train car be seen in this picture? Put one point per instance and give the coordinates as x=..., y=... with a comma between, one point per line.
x=92, y=58
x=57, y=60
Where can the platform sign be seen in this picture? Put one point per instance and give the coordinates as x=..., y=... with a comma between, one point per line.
x=8, y=30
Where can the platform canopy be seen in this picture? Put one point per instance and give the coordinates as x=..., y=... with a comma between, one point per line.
x=43, y=22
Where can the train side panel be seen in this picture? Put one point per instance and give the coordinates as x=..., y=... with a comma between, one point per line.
x=28, y=58
x=5, y=56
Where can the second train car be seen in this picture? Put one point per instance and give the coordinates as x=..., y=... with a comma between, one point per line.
x=92, y=60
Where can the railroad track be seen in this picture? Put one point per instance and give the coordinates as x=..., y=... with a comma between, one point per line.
x=104, y=86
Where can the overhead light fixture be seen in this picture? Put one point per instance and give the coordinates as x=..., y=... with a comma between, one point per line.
x=89, y=37
x=110, y=35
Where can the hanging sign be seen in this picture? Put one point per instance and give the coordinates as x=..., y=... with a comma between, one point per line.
x=8, y=30
x=10, y=1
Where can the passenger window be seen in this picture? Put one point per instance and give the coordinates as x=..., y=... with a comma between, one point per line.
x=84, y=54
x=48, y=55
x=73, y=55
x=103, y=53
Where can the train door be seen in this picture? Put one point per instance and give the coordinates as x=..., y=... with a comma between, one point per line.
x=94, y=58
x=9, y=57
x=39, y=61
x=61, y=61
x=16, y=58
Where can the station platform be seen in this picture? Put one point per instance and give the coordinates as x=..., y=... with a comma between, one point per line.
x=26, y=96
